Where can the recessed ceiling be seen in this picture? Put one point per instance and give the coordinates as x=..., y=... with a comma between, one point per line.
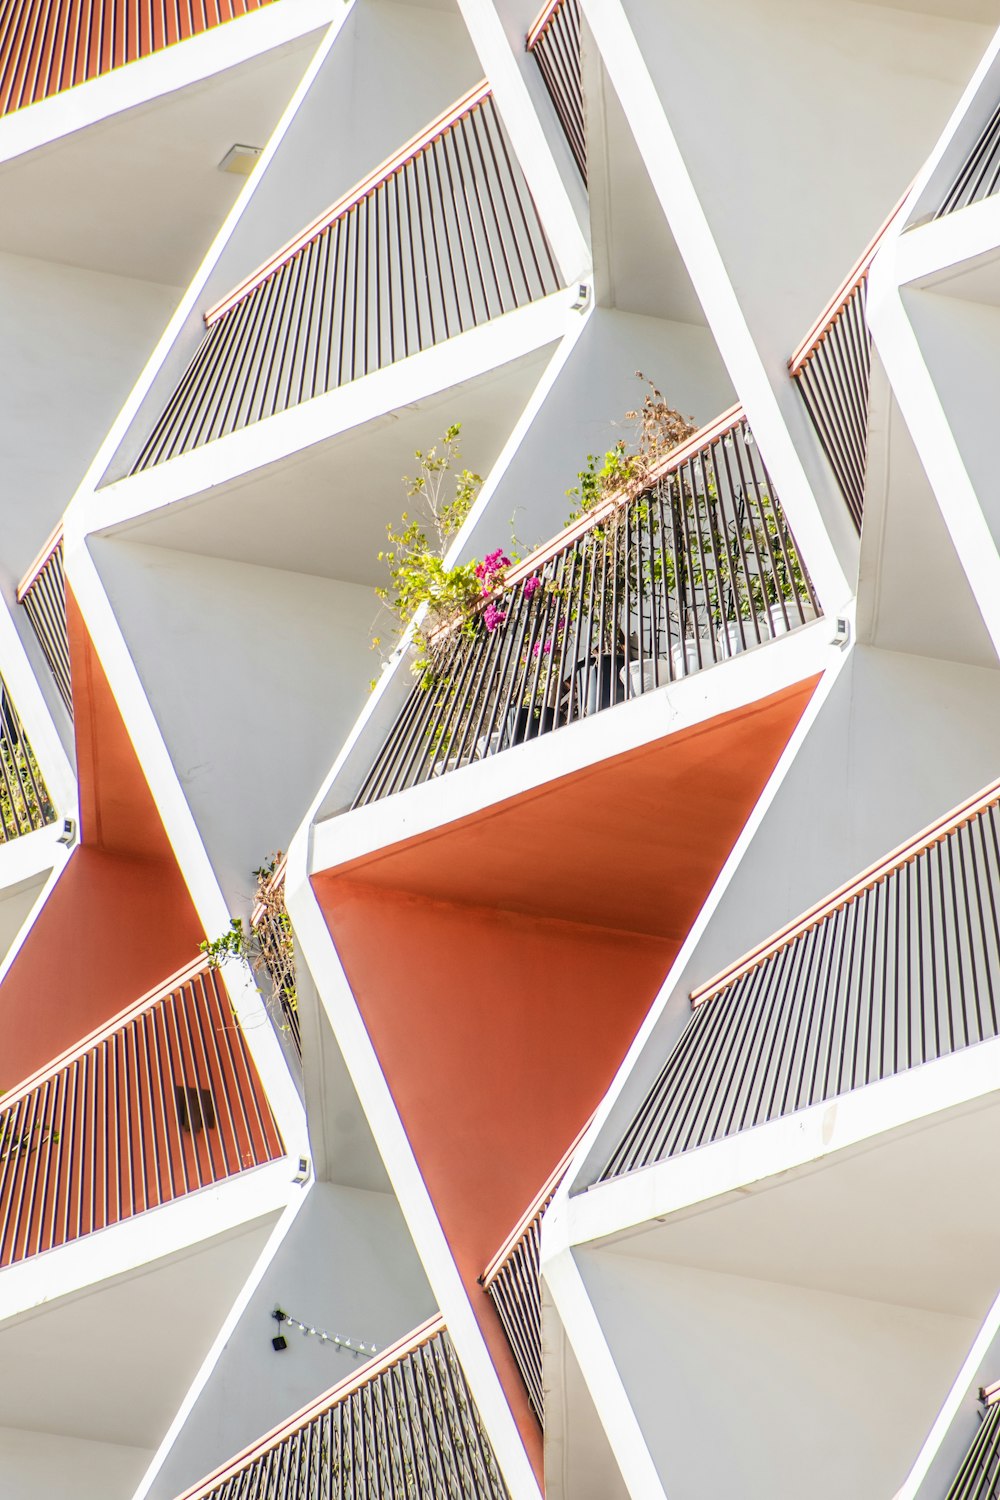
x=324, y=509
x=139, y=194
x=113, y=1363
x=857, y=1222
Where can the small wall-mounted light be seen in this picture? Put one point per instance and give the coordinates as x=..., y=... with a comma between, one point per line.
x=302, y=1175
x=240, y=160
x=68, y=832
x=842, y=633
x=582, y=297
x=279, y=1341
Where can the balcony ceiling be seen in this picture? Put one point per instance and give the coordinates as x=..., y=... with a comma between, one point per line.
x=323, y=510
x=857, y=1223
x=139, y=194
x=112, y=1363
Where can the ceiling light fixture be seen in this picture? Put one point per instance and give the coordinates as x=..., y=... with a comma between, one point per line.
x=240, y=160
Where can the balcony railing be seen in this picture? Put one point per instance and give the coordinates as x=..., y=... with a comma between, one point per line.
x=161, y=1101
x=832, y=369
x=513, y=1281
x=979, y=176
x=42, y=591
x=554, y=42
x=897, y=968
x=47, y=46
x=441, y=238
x=25, y=805
x=646, y=589
x=979, y=1476
x=272, y=930
x=405, y=1425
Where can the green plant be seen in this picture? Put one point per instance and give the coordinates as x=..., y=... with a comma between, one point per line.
x=265, y=942
x=624, y=469
x=444, y=492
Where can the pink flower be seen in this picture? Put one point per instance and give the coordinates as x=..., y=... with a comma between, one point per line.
x=491, y=570
x=493, y=618
x=531, y=586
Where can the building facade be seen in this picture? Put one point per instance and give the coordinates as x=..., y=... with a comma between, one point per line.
x=566, y=1063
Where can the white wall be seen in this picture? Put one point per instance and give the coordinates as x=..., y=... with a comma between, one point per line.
x=72, y=343
x=348, y=1266
x=960, y=342
x=584, y=412
x=784, y=109
x=767, y=1390
x=44, y=1466
x=254, y=675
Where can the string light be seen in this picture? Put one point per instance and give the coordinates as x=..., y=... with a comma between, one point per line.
x=356, y=1347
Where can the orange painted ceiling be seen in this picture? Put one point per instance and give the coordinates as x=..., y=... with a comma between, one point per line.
x=632, y=843
x=503, y=963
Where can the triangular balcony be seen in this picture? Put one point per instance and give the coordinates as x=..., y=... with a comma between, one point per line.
x=692, y=568
x=46, y=48
x=554, y=42
x=895, y=969
x=160, y=1102
x=405, y=1424
x=441, y=238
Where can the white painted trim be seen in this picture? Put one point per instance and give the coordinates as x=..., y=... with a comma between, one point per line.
x=756, y=1159
x=76, y=520
x=175, y=67
x=600, y=1371
x=86, y=1263
x=953, y=1402
x=414, y=1200
x=917, y=398
x=686, y=217
x=399, y=661
x=593, y=1148
x=34, y=713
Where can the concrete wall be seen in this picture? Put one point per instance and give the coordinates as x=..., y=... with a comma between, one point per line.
x=864, y=84
x=34, y=1465
x=736, y=1361
x=347, y=1266
x=266, y=671
x=73, y=343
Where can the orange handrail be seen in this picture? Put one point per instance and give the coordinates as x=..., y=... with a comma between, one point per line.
x=393, y=164
x=934, y=833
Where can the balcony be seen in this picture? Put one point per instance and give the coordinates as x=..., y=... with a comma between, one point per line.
x=405, y=1424
x=891, y=971
x=47, y=47
x=272, y=932
x=25, y=805
x=42, y=592
x=554, y=43
x=832, y=370
x=441, y=238
x=160, y=1102
x=644, y=590
x=512, y=1280
x=979, y=1476
x=979, y=175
